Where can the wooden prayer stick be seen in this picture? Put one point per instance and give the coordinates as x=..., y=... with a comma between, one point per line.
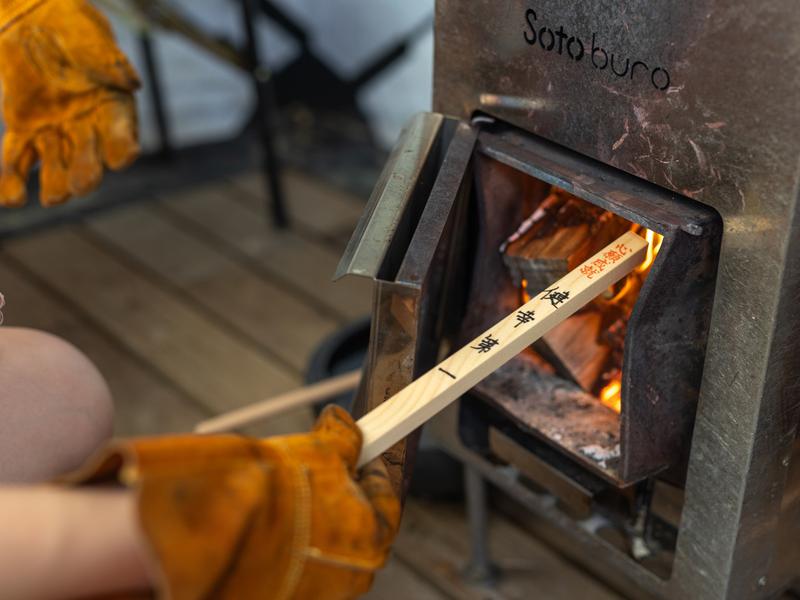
x=298, y=398
x=423, y=398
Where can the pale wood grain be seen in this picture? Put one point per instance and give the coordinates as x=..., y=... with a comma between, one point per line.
x=144, y=402
x=216, y=368
x=314, y=206
x=422, y=399
x=432, y=548
x=434, y=542
x=279, y=321
x=265, y=409
x=396, y=581
x=305, y=265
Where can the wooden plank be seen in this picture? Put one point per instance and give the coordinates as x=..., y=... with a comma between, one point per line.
x=301, y=264
x=305, y=396
x=281, y=322
x=575, y=350
x=426, y=396
x=210, y=364
x=434, y=542
x=144, y=403
x=398, y=582
x=314, y=206
x=540, y=260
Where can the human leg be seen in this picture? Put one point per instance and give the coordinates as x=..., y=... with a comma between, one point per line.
x=55, y=407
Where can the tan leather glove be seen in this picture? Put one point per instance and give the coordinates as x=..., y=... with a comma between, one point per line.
x=67, y=99
x=284, y=518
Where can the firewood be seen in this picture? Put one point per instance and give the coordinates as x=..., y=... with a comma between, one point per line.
x=562, y=233
x=575, y=349
x=542, y=260
x=425, y=397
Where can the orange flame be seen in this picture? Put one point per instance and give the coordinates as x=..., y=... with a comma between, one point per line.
x=653, y=246
x=526, y=297
x=611, y=394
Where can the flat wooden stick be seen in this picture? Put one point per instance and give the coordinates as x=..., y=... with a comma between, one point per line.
x=270, y=407
x=423, y=398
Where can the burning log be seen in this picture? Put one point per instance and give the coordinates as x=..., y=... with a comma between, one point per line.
x=561, y=234
x=575, y=349
x=425, y=397
x=542, y=260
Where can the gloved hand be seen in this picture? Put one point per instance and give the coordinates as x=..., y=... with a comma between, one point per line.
x=67, y=99
x=284, y=518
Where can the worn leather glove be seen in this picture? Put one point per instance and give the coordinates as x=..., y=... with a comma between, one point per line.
x=284, y=518
x=67, y=99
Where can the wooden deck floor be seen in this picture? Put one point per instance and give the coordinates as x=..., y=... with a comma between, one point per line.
x=191, y=305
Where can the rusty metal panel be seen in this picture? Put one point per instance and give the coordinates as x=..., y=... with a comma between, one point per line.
x=396, y=201
x=411, y=274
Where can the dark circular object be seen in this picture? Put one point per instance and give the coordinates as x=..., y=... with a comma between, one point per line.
x=437, y=476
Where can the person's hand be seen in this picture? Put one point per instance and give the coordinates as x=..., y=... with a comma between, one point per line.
x=234, y=517
x=67, y=99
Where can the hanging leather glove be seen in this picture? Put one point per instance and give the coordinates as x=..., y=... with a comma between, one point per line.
x=231, y=517
x=67, y=99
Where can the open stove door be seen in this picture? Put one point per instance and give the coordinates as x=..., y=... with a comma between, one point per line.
x=409, y=241
x=426, y=232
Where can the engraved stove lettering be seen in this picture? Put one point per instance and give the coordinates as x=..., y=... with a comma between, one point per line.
x=573, y=48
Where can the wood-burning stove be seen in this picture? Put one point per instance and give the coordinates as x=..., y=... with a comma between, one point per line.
x=672, y=118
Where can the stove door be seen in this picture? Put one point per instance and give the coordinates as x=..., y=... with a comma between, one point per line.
x=410, y=242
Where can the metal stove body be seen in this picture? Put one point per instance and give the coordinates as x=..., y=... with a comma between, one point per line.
x=679, y=116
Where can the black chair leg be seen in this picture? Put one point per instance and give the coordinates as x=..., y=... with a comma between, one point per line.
x=153, y=80
x=265, y=112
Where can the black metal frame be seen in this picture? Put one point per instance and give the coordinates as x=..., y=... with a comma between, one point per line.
x=298, y=83
x=264, y=115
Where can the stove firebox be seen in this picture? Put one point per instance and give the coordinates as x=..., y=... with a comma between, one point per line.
x=515, y=175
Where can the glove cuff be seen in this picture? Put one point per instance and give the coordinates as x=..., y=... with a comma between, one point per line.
x=12, y=11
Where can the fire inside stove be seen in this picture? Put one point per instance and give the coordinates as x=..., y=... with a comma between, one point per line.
x=588, y=348
x=613, y=389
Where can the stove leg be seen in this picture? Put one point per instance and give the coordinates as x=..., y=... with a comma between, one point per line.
x=479, y=569
x=644, y=497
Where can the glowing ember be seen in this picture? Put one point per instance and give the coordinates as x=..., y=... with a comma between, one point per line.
x=611, y=396
x=526, y=297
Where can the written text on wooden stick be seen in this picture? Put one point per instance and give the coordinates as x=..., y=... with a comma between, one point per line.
x=426, y=396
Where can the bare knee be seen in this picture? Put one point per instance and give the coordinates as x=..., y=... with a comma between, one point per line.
x=55, y=407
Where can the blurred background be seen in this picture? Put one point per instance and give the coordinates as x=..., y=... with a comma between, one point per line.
x=334, y=81
x=199, y=280
x=264, y=124
x=378, y=55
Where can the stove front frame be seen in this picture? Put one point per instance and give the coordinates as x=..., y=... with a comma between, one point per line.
x=724, y=133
